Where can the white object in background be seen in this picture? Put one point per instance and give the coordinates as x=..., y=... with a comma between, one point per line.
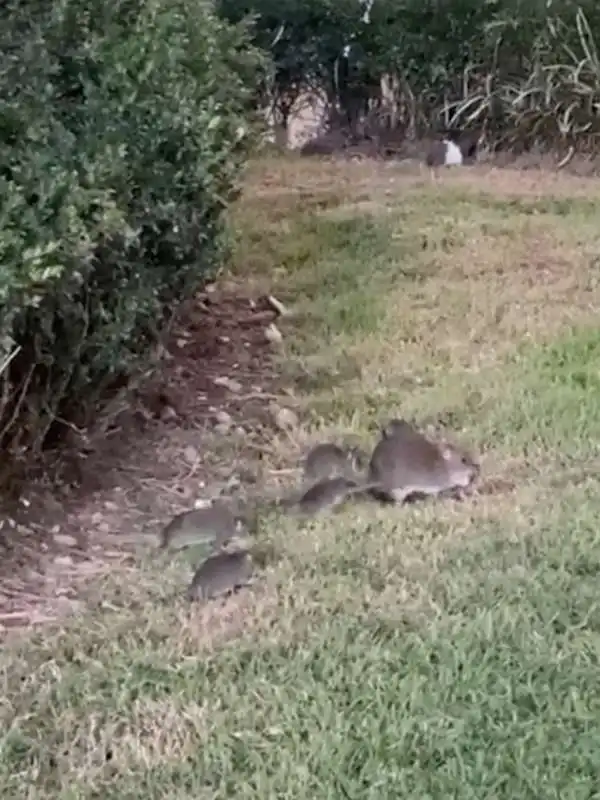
x=366, y=17
x=454, y=156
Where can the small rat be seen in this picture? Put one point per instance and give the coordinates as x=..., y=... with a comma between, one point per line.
x=328, y=460
x=326, y=494
x=405, y=463
x=215, y=525
x=221, y=574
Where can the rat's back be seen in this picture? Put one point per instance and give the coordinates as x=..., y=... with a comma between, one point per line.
x=408, y=463
x=221, y=574
x=329, y=460
x=214, y=524
x=326, y=494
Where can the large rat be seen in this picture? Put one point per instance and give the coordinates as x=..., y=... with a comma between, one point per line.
x=329, y=460
x=405, y=463
x=221, y=574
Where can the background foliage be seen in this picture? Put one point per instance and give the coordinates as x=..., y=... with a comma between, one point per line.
x=529, y=71
x=123, y=127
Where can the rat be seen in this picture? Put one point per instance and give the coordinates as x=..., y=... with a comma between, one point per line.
x=221, y=574
x=406, y=463
x=328, y=460
x=326, y=494
x=215, y=525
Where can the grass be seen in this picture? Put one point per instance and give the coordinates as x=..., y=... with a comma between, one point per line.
x=442, y=650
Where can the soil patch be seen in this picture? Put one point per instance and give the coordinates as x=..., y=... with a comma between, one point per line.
x=194, y=429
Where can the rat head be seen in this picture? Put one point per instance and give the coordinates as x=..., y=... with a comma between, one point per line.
x=461, y=467
x=395, y=427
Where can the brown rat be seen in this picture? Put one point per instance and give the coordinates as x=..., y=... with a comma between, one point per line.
x=218, y=524
x=214, y=525
x=325, y=495
x=405, y=463
x=305, y=502
x=329, y=460
x=221, y=574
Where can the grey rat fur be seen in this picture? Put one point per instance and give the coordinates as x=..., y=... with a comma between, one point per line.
x=221, y=574
x=329, y=460
x=220, y=523
x=326, y=494
x=215, y=525
x=405, y=463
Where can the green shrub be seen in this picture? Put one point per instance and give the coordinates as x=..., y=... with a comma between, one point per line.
x=123, y=127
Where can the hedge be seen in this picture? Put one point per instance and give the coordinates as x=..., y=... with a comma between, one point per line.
x=123, y=128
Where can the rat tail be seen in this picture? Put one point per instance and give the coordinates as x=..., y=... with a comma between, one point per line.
x=360, y=488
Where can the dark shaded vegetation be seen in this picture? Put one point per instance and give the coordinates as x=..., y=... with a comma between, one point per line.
x=122, y=132
x=528, y=73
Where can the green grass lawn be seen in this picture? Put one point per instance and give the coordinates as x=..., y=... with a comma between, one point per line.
x=442, y=650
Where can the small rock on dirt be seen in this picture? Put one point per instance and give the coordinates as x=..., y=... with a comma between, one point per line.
x=228, y=383
x=277, y=306
x=64, y=540
x=202, y=502
x=223, y=418
x=235, y=386
x=285, y=419
x=63, y=561
x=168, y=414
x=273, y=334
x=190, y=454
